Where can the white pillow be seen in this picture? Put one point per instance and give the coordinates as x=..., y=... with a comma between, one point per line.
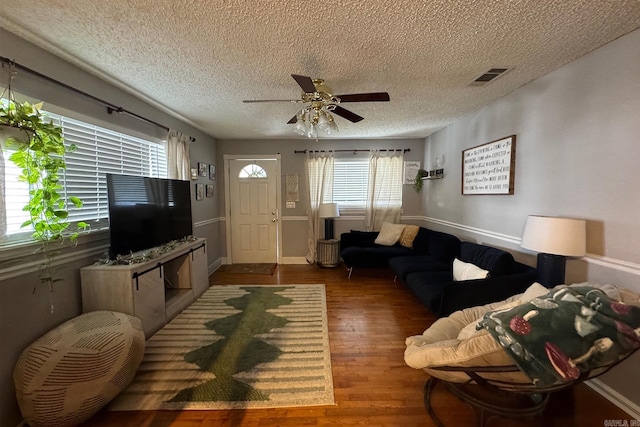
x=389, y=234
x=467, y=271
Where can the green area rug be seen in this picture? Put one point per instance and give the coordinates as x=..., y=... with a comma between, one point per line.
x=247, y=346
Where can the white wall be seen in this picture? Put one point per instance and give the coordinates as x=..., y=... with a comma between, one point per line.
x=24, y=314
x=577, y=155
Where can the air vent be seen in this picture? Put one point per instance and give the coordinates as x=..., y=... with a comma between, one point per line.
x=489, y=76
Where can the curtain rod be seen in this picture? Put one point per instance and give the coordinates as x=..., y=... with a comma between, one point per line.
x=404, y=150
x=111, y=108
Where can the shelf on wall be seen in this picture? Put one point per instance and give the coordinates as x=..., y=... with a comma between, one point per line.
x=434, y=174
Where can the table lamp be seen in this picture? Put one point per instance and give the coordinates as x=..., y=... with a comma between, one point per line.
x=554, y=238
x=328, y=211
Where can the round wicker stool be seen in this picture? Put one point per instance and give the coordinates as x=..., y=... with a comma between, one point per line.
x=71, y=372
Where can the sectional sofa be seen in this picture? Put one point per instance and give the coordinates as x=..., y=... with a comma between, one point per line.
x=444, y=273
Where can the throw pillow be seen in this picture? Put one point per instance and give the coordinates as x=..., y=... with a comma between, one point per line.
x=389, y=234
x=408, y=235
x=467, y=271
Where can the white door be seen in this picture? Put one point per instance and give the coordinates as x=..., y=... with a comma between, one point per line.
x=253, y=208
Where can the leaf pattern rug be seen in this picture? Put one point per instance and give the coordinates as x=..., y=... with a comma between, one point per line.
x=246, y=346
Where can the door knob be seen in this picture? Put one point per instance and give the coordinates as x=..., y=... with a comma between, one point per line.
x=274, y=220
x=273, y=213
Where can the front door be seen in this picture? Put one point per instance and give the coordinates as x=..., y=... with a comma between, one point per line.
x=253, y=210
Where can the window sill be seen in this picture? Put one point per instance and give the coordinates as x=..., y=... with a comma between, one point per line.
x=22, y=257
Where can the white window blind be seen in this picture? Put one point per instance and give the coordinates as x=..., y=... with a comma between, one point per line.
x=351, y=179
x=98, y=151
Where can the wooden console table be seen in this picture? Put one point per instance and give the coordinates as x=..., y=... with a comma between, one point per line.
x=155, y=291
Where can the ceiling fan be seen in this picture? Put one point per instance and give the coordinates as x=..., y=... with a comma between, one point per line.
x=320, y=103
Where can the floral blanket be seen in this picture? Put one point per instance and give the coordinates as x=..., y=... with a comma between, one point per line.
x=558, y=336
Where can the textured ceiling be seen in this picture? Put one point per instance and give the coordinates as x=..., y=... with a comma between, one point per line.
x=200, y=59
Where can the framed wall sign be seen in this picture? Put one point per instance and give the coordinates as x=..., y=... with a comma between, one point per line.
x=202, y=169
x=410, y=171
x=490, y=168
x=199, y=191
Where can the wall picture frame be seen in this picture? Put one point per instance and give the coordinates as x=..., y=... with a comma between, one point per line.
x=202, y=169
x=199, y=191
x=209, y=190
x=194, y=173
x=490, y=168
x=212, y=172
x=410, y=171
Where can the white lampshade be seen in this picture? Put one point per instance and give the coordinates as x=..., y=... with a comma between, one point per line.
x=329, y=210
x=554, y=235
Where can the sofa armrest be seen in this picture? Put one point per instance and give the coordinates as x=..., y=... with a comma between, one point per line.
x=470, y=293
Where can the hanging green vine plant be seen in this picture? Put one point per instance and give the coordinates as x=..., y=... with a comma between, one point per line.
x=417, y=182
x=39, y=153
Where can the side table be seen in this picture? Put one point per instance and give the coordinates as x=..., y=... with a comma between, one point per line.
x=328, y=252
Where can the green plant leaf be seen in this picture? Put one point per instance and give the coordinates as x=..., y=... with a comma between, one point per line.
x=41, y=160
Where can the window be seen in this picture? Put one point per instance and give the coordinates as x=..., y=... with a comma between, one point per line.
x=351, y=182
x=98, y=151
x=252, y=171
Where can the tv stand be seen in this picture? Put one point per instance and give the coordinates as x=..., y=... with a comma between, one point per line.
x=154, y=291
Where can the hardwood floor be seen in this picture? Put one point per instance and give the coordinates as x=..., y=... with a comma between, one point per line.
x=369, y=318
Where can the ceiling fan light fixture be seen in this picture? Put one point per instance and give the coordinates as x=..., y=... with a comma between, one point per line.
x=320, y=102
x=313, y=131
x=326, y=123
x=333, y=127
x=323, y=120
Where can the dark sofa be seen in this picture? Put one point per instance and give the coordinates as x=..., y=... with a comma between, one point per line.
x=358, y=250
x=427, y=268
x=442, y=295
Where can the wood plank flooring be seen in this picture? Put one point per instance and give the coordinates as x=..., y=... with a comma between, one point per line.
x=369, y=318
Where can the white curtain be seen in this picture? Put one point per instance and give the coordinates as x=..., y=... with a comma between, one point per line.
x=384, y=193
x=178, y=162
x=3, y=210
x=319, y=167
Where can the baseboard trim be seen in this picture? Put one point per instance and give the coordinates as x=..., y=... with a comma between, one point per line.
x=614, y=397
x=294, y=260
x=215, y=266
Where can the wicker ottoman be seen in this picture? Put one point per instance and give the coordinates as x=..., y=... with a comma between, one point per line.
x=70, y=373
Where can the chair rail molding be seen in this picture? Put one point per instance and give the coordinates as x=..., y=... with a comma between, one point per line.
x=607, y=262
x=208, y=221
x=16, y=270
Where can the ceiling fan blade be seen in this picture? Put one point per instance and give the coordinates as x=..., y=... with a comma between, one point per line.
x=342, y=112
x=305, y=83
x=248, y=101
x=364, y=97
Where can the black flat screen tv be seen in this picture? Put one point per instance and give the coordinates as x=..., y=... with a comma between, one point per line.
x=147, y=212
